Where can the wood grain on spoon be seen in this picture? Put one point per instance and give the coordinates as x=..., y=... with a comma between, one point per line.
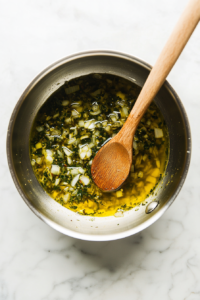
x=112, y=163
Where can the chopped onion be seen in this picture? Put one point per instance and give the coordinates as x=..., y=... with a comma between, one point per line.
x=75, y=180
x=66, y=197
x=107, y=128
x=40, y=128
x=49, y=152
x=95, y=113
x=97, y=133
x=49, y=159
x=124, y=112
x=33, y=162
x=90, y=124
x=38, y=145
x=65, y=102
x=135, y=145
x=84, y=137
x=74, y=171
x=55, y=132
x=104, y=123
x=85, y=152
x=56, y=115
x=68, y=120
x=71, y=141
x=71, y=89
x=95, y=106
x=77, y=103
x=75, y=113
x=81, y=170
x=75, y=193
x=69, y=160
x=81, y=123
x=57, y=181
x=91, y=145
x=119, y=194
x=67, y=151
x=55, y=170
x=113, y=117
x=39, y=160
x=60, y=154
x=90, y=162
x=85, y=180
x=158, y=133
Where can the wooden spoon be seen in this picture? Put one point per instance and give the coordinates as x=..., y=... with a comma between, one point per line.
x=111, y=165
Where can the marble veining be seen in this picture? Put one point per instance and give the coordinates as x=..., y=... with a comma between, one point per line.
x=38, y=263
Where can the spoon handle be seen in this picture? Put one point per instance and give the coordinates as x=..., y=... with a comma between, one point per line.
x=170, y=53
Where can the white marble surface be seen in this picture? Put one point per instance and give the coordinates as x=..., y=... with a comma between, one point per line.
x=38, y=263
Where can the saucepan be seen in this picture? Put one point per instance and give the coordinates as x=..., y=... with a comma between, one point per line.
x=47, y=209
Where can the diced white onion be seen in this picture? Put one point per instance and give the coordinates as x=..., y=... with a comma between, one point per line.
x=107, y=128
x=49, y=159
x=75, y=193
x=55, y=170
x=95, y=113
x=67, y=151
x=85, y=180
x=71, y=141
x=39, y=160
x=84, y=137
x=90, y=162
x=81, y=123
x=56, y=115
x=33, y=162
x=76, y=104
x=75, y=180
x=60, y=154
x=74, y=171
x=104, y=123
x=135, y=145
x=89, y=124
x=158, y=133
x=91, y=145
x=85, y=152
x=124, y=111
x=71, y=89
x=81, y=170
x=65, y=102
x=40, y=128
x=68, y=120
x=66, y=197
x=75, y=113
x=82, y=155
x=95, y=106
x=69, y=160
x=97, y=133
x=57, y=181
x=55, y=132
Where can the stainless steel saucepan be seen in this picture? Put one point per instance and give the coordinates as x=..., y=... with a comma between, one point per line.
x=47, y=209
